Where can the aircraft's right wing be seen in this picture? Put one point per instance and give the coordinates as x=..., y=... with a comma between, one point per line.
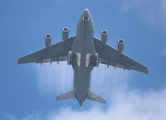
x=110, y=56
x=57, y=52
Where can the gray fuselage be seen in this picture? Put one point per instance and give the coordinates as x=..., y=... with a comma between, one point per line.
x=83, y=44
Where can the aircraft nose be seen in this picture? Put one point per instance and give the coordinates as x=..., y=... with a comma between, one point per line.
x=86, y=16
x=86, y=13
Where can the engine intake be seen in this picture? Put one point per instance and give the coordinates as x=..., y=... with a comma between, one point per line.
x=48, y=40
x=121, y=45
x=65, y=33
x=104, y=36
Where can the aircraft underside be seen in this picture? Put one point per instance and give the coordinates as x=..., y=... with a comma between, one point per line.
x=83, y=52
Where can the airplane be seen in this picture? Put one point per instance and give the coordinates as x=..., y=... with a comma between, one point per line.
x=83, y=52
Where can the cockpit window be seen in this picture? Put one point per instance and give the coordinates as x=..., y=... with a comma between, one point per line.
x=85, y=19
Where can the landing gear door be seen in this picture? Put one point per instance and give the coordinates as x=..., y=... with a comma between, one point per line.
x=97, y=60
x=88, y=55
x=78, y=58
x=69, y=61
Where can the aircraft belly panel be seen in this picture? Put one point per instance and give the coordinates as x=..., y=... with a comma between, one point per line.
x=81, y=83
x=83, y=44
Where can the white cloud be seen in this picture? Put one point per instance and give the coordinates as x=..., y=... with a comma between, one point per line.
x=125, y=105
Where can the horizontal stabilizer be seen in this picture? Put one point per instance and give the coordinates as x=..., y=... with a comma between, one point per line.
x=95, y=97
x=67, y=95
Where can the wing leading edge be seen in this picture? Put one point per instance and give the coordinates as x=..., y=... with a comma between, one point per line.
x=57, y=52
x=110, y=56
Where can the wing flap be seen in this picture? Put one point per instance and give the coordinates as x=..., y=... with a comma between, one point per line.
x=52, y=59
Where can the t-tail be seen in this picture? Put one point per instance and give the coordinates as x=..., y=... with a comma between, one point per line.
x=90, y=95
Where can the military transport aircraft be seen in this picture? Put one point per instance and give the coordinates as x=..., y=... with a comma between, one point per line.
x=83, y=52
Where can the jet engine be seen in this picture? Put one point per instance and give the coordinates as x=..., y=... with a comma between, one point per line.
x=48, y=40
x=104, y=36
x=65, y=33
x=121, y=45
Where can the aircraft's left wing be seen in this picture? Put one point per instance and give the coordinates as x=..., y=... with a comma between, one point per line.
x=110, y=56
x=57, y=52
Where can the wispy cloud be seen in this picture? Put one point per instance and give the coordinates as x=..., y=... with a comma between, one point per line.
x=163, y=53
x=52, y=78
x=108, y=78
x=125, y=105
x=7, y=116
x=153, y=12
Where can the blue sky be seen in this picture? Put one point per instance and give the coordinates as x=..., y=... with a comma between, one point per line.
x=28, y=92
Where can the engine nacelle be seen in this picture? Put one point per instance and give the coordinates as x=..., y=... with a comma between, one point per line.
x=48, y=40
x=104, y=36
x=65, y=33
x=121, y=45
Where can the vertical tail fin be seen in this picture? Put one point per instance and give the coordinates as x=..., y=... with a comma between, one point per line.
x=95, y=97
